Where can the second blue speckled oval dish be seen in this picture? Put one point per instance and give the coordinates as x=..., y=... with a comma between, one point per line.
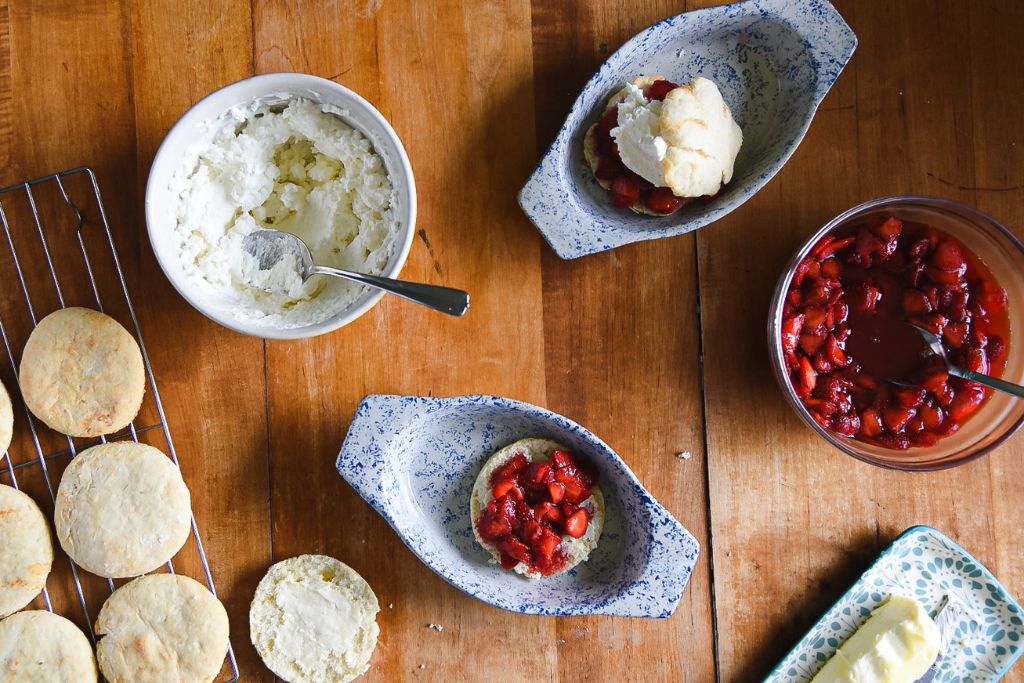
x=415, y=461
x=773, y=60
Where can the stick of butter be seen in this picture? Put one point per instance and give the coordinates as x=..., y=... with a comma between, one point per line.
x=896, y=644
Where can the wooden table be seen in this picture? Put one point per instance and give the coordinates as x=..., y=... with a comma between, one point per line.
x=930, y=104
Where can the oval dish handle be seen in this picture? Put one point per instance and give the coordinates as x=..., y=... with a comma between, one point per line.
x=671, y=556
x=363, y=459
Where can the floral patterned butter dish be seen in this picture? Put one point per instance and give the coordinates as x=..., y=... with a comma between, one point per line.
x=773, y=60
x=927, y=565
x=415, y=460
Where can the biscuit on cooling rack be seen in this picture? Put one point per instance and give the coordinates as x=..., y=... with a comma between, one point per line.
x=26, y=553
x=122, y=509
x=82, y=373
x=42, y=647
x=161, y=627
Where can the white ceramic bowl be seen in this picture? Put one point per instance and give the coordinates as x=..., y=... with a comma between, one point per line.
x=271, y=88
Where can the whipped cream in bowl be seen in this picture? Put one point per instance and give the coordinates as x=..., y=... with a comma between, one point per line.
x=287, y=152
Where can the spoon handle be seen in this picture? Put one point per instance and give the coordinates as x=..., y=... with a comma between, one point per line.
x=443, y=299
x=1001, y=385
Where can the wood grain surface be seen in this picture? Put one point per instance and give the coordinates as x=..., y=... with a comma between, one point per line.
x=657, y=347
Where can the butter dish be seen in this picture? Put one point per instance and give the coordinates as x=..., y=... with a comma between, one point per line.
x=773, y=60
x=415, y=460
x=925, y=564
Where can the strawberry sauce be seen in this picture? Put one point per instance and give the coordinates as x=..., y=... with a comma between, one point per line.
x=846, y=332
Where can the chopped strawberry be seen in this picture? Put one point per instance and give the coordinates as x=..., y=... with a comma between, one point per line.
x=562, y=459
x=660, y=88
x=829, y=245
x=865, y=297
x=890, y=228
x=576, y=523
x=545, y=545
x=609, y=168
x=895, y=418
x=834, y=353
x=511, y=468
x=662, y=200
x=948, y=256
x=977, y=360
x=909, y=398
x=556, y=491
x=847, y=425
x=506, y=486
x=832, y=268
x=932, y=417
x=915, y=302
x=514, y=548
x=625, y=192
x=538, y=472
x=576, y=493
x=807, y=377
x=955, y=334
x=870, y=422
x=790, y=331
x=966, y=402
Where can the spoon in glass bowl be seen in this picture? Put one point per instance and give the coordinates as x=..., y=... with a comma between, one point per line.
x=289, y=259
x=936, y=347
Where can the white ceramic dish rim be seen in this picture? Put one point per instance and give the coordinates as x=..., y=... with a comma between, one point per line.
x=609, y=233
x=298, y=84
x=660, y=518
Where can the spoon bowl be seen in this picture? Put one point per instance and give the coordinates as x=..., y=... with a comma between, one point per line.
x=936, y=347
x=282, y=261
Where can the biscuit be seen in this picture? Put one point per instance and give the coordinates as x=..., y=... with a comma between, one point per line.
x=537, y=450
x=26, y=553
x=6, y=420
x=82, y=373
x=702, y=136
x=313, y=620
x=42, y=647
x=159, y=628
x=122, y=509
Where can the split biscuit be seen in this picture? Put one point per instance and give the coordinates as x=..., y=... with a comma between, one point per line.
x=536, y=450
x=313, y=620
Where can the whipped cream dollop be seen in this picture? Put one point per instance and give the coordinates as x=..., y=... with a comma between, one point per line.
x=638, y=135
x=688, y=142
x=296, y=167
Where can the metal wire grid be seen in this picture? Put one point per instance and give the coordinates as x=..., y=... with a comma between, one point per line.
x=41, y=459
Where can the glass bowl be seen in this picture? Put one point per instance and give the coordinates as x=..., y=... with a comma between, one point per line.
x=1001, y=415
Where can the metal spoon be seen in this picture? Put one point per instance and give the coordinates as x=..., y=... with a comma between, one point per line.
x=270, y=247
x=935, y=344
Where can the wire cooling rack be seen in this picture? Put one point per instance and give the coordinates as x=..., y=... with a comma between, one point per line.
x=61, y=253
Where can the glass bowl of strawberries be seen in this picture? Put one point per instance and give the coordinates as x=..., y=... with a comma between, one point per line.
x=846, y=354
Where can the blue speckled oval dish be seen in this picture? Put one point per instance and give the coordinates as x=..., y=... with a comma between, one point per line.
x=415, y=461
x=773, y=60
x=927, y=565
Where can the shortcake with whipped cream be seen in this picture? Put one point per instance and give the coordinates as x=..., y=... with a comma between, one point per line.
x=660, y=144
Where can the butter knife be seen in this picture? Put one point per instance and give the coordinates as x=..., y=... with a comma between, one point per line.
x=946, y=619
